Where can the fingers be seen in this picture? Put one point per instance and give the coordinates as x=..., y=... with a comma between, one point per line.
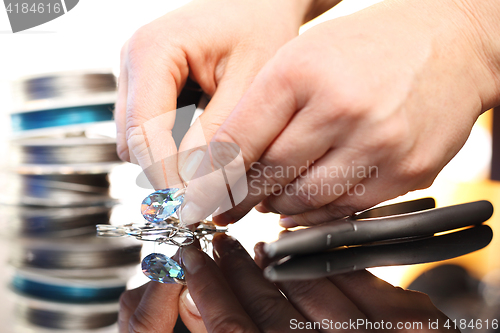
x=371, y=191
x=288, y=157
x=315, y=299
x=219, y=307
x=156, y=311
x=210, y=185
x=275, y=110
x=260, y=298
x=121, y=107
x=213, y=183
x=156, y=72
x=238, y=75
x=336, y=173
x=224, y=166
x=129, y=301
x=381, y=301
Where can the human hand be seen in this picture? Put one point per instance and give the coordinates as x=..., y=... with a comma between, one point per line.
x=231, y=295
x=360, y=109
x=221, y=45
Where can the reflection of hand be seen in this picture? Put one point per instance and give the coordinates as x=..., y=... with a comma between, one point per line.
x=221, y=45
x=233, y=296
x=383, y=98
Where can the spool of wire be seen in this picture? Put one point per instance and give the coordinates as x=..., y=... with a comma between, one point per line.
x=62, y=86
x=65, y=316
x=75, y=253
x=78, y=291
x=62, y=102
x=52, y=222
x=55, y=190
x=70, y=116
x=122, y=272
x=78, y=150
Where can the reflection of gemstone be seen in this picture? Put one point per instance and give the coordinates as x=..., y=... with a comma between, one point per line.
x=159, y=205
x=158, y=267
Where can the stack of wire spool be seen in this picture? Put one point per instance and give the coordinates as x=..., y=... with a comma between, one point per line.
x=55, y=190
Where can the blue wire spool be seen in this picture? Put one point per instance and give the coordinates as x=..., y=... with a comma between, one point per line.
x=77, y=115
x=66, y=292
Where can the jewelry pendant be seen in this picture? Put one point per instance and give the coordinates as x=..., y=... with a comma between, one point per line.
x=160, y=268
x=163, y=228
x=159, y=205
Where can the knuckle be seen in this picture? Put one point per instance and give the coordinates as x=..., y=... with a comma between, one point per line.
x=266, y=308
x=133, y=129
x=223, y=153
x=277, y=157
x=126, y=305
x=338, y=211
x=224, y=135
x=211, y=127
x=140, y=322
x=306, y=199
x=145, y=43
x=232, y=145
x=140, y=41
x=387, y=138
x=263, y=173
x=284, y=71
x=301, y=292
x=415, y=169
x=122, y=152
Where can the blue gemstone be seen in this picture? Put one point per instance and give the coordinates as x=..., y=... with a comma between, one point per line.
x=159, y=205
x=158, y=267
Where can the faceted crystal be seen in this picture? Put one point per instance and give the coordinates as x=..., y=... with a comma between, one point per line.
x=158, y=267
x=159, y=205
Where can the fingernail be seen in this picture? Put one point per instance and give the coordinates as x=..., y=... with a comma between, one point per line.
x=192, y=259
x=191, y=213
x=223, y=219
x=191, y=164
x=189, y=303
x=288, y=222
x=258, y=249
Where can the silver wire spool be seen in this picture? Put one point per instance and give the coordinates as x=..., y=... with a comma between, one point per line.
x=63, y=86
x=74, y=253
x=51, y=222
x=124, y=272
x=56, y=190
x=64, y=316
x=47, y=151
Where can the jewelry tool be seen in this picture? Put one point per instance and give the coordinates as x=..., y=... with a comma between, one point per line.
x=407, y=252
x=356, y=231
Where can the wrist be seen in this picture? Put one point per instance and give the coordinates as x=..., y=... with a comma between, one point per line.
x=481, y=27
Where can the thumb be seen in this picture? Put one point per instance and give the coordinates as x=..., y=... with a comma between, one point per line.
x=190, y=314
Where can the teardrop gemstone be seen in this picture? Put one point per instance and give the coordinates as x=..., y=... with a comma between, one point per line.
x=159, y=205
x=158, y=267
